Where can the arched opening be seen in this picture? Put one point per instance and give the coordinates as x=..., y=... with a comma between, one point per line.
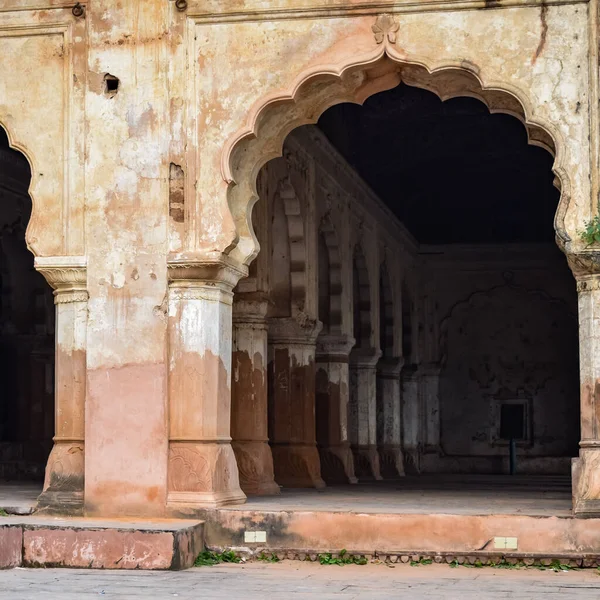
x=468, y=195
x=26, y=338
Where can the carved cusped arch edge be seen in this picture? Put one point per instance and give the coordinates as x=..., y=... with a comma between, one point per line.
x=66, y=275
x=19, y=146
x=318, y=88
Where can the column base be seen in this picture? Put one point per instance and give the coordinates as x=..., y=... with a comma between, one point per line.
x=391, y=462
x=297, y=466
x=366, y=463
x=64, y=480
x=255, y=466
x=337, y=464
x=585, y=474
x=202, y=475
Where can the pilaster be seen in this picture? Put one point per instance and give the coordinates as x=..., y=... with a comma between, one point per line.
x=65, y=471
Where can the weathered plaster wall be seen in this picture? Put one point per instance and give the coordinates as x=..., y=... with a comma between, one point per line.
x=507, y=329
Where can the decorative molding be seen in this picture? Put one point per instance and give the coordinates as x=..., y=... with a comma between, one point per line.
x=288, y=330
x=590, y=283
x=584, y=264
x=385, y=27
x=189, y=271
x=66, y=275
x=197, y=10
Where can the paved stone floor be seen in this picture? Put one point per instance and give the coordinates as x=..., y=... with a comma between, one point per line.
x=441, y=494
x=444, y=494
x=291, y=580
x=19, y=497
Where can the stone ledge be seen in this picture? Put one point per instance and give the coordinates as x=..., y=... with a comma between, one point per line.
x=100, y=544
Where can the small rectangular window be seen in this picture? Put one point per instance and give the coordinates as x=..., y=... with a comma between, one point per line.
x=512, y=421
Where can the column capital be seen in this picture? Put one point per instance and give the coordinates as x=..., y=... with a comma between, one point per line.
x=365, y=357
x=250, y=307
x=329, y=346
x=585, y=266
x=390, y=365
x=299, y=330
x=191, y=270
x=66, y=275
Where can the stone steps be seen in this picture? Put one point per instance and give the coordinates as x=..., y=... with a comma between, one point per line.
x=100, y=544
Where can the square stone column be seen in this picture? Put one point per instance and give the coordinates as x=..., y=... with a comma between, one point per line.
x=249, y=420
x=332, y=398
x=411, y=416
x=430, y=398
x=363, y=412
x=292, y=431
x=586, y=468
x=64, y=480
x=389, y=417
x=202, y=469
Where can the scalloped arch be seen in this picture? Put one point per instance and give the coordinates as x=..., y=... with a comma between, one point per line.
x=315, y=90
x=22, y=149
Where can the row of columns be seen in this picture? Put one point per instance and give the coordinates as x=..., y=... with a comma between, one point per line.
x=306, y=374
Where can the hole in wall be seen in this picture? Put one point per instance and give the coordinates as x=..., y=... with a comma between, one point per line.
x=111, y=85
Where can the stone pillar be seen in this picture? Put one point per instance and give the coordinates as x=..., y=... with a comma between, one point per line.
x=292, y=402
x=64, y=481
x=249, y=421
x=332, y=398
x=389, y=417
x=202, y=470
x=363, y=412
x=430, y=398
x=411, y=416
x=586, y=468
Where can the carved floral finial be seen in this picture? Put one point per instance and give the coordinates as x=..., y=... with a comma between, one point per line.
x=385, y=26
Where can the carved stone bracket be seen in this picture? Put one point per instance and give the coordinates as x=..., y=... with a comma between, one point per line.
x=66, y=275
x=294, y=331
x=212, y=269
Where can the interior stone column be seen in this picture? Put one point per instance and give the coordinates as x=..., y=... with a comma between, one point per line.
x=430, y=394
x=390, y=416
x=292, y=432
x=586, y=468
x=363, y=412
x=202, y=470
x=64, y=480
x=249, y=421
x=411, y=419
x=332, y=398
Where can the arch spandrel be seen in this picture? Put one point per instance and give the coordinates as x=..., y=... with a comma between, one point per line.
x=42, y=78
x=339, y=59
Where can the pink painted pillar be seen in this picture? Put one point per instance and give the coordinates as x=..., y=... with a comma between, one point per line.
x=249, y=421
x=332, y=398
x=202, y=470
x=292, y=402
x=64, y=481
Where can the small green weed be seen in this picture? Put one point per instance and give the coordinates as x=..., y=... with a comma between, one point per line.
x=591, y=234
x=209, y=558
x=504, y=564
x=3, y=513
x=272, y=558
x=343, y=558
x=421, y=561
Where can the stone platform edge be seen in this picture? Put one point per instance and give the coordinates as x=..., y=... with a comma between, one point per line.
x=120, y=546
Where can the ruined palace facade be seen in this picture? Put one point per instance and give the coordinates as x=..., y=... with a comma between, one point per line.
x=235, y=308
